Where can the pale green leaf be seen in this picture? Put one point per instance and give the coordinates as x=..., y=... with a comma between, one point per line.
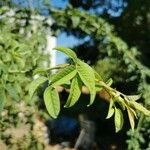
x=35, y=84
x=38, y=71
x=75, y=21
x=121, y=102
x=139, y=107
x=118, y=119
x=97, y=75
x=75, y=91
x=86, y=74
x=68, y=52
x=63, y=76
x=109, y=82
x=52, y=102
x=134, y=97
x=131, y=118
x=111, y=109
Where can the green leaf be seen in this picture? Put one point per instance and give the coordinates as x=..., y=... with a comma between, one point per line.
x=86, y=74
x=20, y=61
x=68, y=52
x=134, y=97
x=44, y=70
x=35, y=84
x=39, y=71
x=111, y=109
x=131, y=118
x=121, y=102
x=109, y=82
x=2, y=99
x=139, y=107
x=75, y=21
x=63, y=76
x=118, y=119
x=97, y=75
x=75, y=91
x=52, y=102
x=98, y=87
x=12, y=91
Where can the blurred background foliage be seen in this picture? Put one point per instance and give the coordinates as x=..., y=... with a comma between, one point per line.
x=114, y=39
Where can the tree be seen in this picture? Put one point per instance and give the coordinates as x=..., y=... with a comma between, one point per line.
x=104, y=39
x=82, y=25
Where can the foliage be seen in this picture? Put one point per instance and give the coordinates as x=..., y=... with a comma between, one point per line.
x=18, y=57
x=21, y=49
x=101, y=37
x=77, y=74
x=104, y=41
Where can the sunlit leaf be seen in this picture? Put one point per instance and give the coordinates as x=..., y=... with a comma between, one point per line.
x=121, y=102
x=38, y=71
x=109, y=82
x=134, y=97
x=52, y=102
x=35, y=84
x=63, y=76
x=75, y=21
x=75, y=91
x=111, y=109
x=139, y=107
x=97, y=75
x=86, y=74
x=68, y=52
x=131, y=118
x=98, y=87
